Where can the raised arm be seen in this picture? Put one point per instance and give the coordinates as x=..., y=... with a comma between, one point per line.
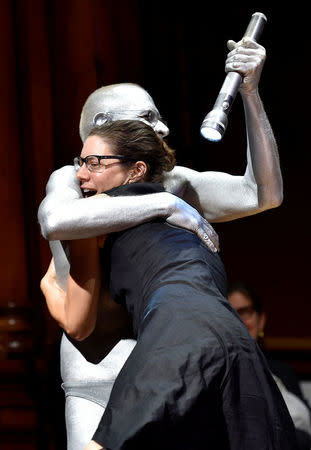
x=220, y=196
x=64, y=215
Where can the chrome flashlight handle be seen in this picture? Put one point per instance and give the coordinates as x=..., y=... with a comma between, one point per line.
x=215, y=122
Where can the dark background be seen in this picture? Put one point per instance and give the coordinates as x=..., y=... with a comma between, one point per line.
x=53, y=55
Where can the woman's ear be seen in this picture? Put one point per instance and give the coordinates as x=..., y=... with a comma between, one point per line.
x=138, y=172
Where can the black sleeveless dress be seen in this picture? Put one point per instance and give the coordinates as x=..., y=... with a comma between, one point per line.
x=196, y=379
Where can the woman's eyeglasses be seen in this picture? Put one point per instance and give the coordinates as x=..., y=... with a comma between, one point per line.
x=93, y=162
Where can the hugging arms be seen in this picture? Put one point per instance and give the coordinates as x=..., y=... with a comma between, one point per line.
x=65, y=215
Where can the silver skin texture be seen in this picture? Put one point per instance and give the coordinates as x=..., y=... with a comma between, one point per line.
x=65, y=215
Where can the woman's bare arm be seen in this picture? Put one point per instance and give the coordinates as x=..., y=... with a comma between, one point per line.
x=76, y=309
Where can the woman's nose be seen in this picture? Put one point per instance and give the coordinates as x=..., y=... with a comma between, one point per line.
x=83, y=173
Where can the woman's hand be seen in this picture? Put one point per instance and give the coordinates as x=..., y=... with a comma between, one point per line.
x=94, y=446
x=55, y=297
x=49, y=281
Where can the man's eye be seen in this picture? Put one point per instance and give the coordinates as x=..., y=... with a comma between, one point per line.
x=150, y=116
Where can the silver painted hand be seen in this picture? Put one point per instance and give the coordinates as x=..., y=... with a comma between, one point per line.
x=184, y=216
x=246, y=57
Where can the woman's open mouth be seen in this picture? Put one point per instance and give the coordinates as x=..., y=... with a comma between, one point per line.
x=88, y=192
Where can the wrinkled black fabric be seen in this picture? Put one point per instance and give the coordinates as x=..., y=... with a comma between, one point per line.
x=196, y=379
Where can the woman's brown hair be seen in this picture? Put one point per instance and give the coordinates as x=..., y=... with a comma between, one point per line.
x=137, y=141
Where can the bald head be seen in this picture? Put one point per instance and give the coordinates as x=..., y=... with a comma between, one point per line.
x=126, y=101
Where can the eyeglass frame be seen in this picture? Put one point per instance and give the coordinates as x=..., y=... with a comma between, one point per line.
x=102, y=118
x=77, y=166
x=246, y=312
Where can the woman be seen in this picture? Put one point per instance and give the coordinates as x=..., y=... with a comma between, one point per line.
x=186, y=384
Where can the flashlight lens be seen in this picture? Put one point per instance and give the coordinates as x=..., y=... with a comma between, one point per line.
x=211, y=134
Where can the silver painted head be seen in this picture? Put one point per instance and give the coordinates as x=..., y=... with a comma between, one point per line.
x=124, y=101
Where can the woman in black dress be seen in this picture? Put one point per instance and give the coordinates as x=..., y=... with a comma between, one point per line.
x=195, y=379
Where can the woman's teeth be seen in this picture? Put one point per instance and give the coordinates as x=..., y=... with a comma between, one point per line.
x=88, y=192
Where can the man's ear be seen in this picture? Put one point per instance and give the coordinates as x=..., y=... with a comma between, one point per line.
x=138, y=172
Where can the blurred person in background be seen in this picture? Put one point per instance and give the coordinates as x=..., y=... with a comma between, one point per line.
x=250, y=309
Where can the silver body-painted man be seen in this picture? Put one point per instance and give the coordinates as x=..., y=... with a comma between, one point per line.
x=64, y=214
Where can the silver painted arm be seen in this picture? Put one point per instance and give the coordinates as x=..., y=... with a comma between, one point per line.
x=64, y=215
x=220, y=196
x=263, y=167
